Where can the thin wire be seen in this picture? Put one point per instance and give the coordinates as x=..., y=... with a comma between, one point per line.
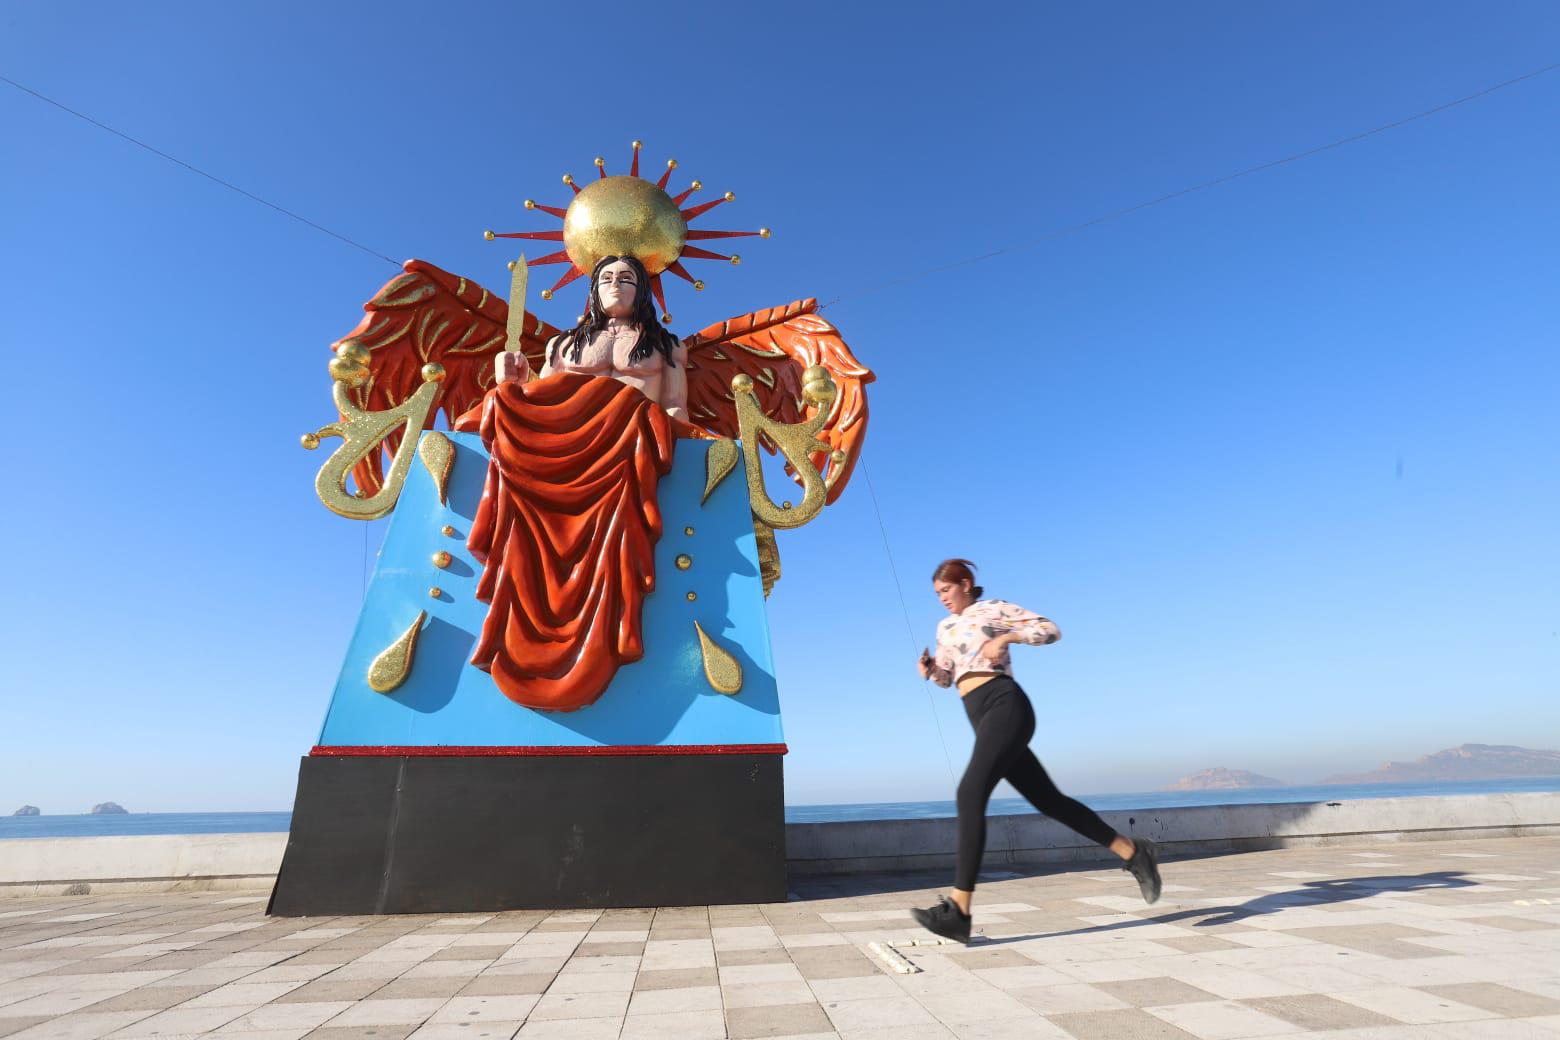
x=195, y=169
x=1203, y=186
x=909, y=628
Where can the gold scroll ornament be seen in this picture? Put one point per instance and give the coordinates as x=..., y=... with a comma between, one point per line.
x=361, y=433
x=797, y=443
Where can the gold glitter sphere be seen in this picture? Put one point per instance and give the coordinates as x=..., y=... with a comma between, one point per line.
x=447, y=531
x=763, y=232
x=638, y=145
x=344, y=369
x=696, y=185
x=731, y=196
x=530, y=203
x=687, y=530
x=442, y=559
x=699, y=286
x=436, y=592
x=666, y=319
x=310, y=441
x=624, y=216
x=692, y=596
x=671, y=164
x=735, y=259
x=353, y=353
x=600, y=162
x=683, y=561
x=433, y=372
x=546, y=294
x=742, y=383
x=488, y=235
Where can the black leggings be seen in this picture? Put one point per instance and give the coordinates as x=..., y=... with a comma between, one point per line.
x=1004, y=721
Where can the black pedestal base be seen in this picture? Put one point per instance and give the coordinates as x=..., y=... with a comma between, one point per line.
x=407, y=835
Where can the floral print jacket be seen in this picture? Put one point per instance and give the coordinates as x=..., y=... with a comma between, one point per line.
x=960, y=637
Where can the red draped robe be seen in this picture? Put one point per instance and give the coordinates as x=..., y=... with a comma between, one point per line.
x=566, y=532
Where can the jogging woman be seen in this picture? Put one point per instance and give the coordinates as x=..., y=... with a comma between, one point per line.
x=972, y=653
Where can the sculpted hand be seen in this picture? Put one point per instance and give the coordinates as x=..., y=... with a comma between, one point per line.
x=509, y=366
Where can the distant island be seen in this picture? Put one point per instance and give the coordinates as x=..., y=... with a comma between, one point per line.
x=108, y=808
x=28, y=810
x=1223, y=780
x=1468, y=762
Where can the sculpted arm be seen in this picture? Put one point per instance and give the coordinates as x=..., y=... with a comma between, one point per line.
x=674, y=388
x=552, y=352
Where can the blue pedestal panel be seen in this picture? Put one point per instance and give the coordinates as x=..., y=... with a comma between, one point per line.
x=663, y=699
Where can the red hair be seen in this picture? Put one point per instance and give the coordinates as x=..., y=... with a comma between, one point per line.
x=958, y=571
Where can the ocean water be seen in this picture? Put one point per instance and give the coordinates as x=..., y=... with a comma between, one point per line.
x=83, y=826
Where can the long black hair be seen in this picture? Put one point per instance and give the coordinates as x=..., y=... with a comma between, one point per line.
x=651, y=335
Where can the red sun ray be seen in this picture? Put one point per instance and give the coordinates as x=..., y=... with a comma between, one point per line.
x=700, y=236
x=694, y=211
x=554, y=210
x=601, y=165
x=560, y=257
x=634, y=169
x=680, y=199
x=655, y=287
x=671, y=164
x=695, y=253
x=574, y=272
x=545, y=236
x=570, y=182
x=677, y=268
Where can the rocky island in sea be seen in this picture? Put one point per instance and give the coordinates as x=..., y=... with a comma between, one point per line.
x=1467, y=762
x=1223, y=780
x=106, y=808
x=28, y=810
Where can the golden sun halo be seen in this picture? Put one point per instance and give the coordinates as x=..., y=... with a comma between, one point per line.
x=628, y=215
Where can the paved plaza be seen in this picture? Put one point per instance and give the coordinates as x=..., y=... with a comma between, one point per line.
x=1426, y=940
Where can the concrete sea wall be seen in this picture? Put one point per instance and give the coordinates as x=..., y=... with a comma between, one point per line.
x=248, y=862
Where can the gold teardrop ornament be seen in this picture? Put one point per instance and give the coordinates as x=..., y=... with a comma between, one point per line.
x=723, y=671
x=719, y=461
x=394, y=663
x=438, y=454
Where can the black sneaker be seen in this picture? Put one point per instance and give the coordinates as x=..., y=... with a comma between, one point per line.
x=944, y=919
x=1144, y=865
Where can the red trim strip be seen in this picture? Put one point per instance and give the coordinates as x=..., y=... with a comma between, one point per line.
x=460, y=751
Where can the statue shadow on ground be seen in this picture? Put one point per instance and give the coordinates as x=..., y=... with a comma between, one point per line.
x=1311, y=893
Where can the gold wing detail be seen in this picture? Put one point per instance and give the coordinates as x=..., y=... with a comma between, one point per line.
x=427, y=314
x=775, y=347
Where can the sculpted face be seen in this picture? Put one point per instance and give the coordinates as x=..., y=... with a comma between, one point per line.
x=617, y=289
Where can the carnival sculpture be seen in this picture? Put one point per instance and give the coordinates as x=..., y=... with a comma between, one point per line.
x=535, y=709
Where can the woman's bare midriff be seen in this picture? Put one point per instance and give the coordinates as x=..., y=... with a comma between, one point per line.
x=972, y=680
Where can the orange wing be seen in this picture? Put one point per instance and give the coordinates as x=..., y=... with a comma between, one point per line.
x=774, y=347
x=427, y=314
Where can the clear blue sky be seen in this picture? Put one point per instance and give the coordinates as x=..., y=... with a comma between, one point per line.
x=1279, y=457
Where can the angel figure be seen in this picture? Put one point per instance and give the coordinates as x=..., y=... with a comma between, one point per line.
x=617, y=336
x=581, y=423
